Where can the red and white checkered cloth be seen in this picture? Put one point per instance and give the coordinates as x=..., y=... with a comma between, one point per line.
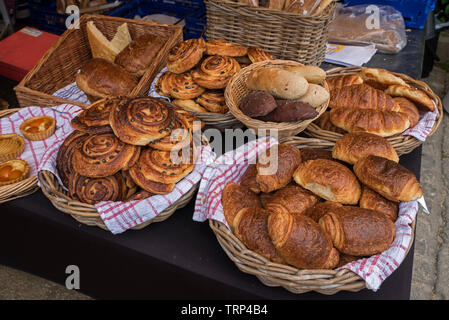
x=423, y=128
x=34, y=150
x=231, y=166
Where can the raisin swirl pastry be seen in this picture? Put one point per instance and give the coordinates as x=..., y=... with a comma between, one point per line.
x=104, y=155
x=179, y=138
x=64, y=163
x=95, y=119
x=258, y=55
x=182, y=86
x=138, y=121
x=94, y=190
x=213, y=101
x=185, y=55
x=215, y=72
x=157, y=172
x=224, y=48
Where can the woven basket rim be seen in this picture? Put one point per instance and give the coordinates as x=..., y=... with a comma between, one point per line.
x=273, y=274
x=402, y=144
x=233, y=103
x=22, y=188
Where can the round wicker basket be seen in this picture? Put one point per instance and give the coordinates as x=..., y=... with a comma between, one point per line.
x=279, y=275
x=237, y=89
x=87, y=214
x=21, y=188
x=402, y=144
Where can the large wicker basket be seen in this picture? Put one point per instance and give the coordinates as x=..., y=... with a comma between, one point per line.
x=279, y=275
x=58, y=67
x=402, y=144
x=21, y=188
x=237, y=89
x=287, y=36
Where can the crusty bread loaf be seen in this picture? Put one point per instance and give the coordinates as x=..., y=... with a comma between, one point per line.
x=315, y=95
x=280, y=83
x=101, y=47
x=356, y=145
x=329, y=179
x=388, y=178
x=312, y=74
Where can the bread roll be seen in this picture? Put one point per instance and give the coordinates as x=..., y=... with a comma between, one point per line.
x=329, y=179
x=409, y=108
x=358, y=232
x=257, y=103
x=236, y=197
x=420, y=98
x=250, y=227
x=290, y=111
x=100, y=78
x=315, y=95
x=301, y=241
x=388, y=178
x=276, y=166
x=312, y=74
x=293, y=199
x=374, y=201
x=139, y=54
x=280, y=83
x=354, y=146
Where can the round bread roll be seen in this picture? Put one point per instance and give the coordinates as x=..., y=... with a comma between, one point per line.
x=315, y=95
x=224, y=48
x=185, y=55
x=354, y=146
x=329, y=179
x=214, y=72
x=388, y=178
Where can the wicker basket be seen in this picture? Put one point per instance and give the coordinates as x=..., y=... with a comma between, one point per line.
x=279, y=275
x=218, y=121
x=402, y=144
x=287, y=36
x=87, y=214
x=237, y=89
x=58, y=67
x=21, y=188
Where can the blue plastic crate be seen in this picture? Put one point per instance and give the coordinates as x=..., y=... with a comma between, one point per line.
x=415, y=12
x=195, y=24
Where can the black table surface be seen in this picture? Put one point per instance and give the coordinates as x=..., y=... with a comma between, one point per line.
x=175, y=259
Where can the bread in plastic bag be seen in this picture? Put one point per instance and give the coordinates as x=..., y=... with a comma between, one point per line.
x=380, y=25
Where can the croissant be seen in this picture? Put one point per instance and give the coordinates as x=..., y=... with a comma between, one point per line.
x=324, y=122
x=354, y=146
x=236, y=197
x=275, y=168
x=94, y=119
x=409, y=108
x=380, y=122
x=250, y=227
x=320, y=209
x=315, y=153
x=379, y=78
x=388, y=178
x=248, y=179
x=420, y=98
x=361, y=96
x=372, y=200
x=301, y=242
x=343, y=81
x=185, y=55
x=329, y=179
x=292, y=199
x=358, y=232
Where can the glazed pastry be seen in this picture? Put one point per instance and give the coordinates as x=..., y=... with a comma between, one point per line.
x=361, y=96
x=265, y=198
x=213, y=101
x=388, y=178
x=186, y=55
x=13, y=171
x=380, y=122
x=158, y=171
x=214, y=72
x=315, y=153
x=329, y=179
x=179, y=138
x=224, y=48
x=258, y=55
x=64, y=163
x=380, y=79
x=250, y=227
x=95, y=190
x=103, y=155
x=161, y=86
x=418, y=97
x=324, y=122
x=95, y=119
x=320, y=209
x=409, y=108
x=301, y=241
x=374, y=201
x=248, y=179
x=343, y=81
x=38, y=128
x=138, y=121
x=354, y=146
x=293, y=199
x=11, y=146
x=182, y=86
x=275, y=168
x=189, y=105
x=236, y=197
x=358, y=232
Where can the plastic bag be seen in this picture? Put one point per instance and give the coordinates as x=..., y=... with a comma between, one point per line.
x=380, y=25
